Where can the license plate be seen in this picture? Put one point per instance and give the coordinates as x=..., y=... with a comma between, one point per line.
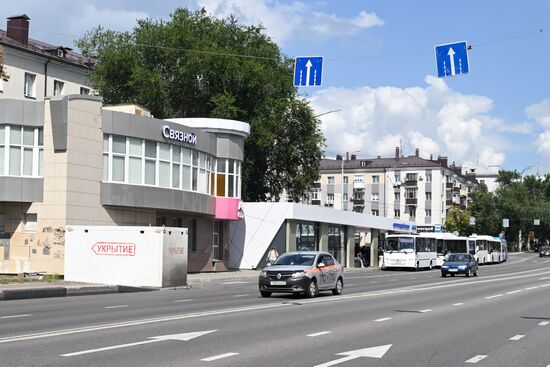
x=278, y=282
x=453, y=270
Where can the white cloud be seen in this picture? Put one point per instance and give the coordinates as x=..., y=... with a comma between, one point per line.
x=117, y=20
x=540, y=112
x=285, y=21
x=435, y=119
x=543, y=144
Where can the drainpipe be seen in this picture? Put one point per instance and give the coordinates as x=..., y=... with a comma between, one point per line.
x=46, y=77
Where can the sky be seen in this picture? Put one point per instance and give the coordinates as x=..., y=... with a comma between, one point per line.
x=379, y=69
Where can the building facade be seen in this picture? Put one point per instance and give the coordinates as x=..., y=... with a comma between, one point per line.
x=408, y=188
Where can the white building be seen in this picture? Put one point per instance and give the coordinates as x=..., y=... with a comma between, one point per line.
x=37, y=70
x=407, y=188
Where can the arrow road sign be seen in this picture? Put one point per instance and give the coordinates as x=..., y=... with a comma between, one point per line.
x=154, y=339
x=373, y=352
x=308, y=71
x=452, y=59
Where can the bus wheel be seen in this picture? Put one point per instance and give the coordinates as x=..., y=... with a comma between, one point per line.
x=417, y=266
x=431, y=266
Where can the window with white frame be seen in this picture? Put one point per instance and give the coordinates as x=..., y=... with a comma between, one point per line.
x=429, y=177
x=331, y=180
x=30, y=87
x=29, y=222
x=428, y=212
x=143, y=162
x=397, y=178
x=375, y=179
x=345, y=197
x=396, y=196
x=84, y=90
x=374, y=196
x=410, y=193
x=58, y=87
x=21, y=151
x=375, y=212
x=330, y=199
x=358, y=179
x=345, y=179
x=397, y=213
x=428, y=196
x=315, y=194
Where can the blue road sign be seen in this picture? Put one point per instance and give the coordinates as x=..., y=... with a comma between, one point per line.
x=452, y=59
x=308, y=71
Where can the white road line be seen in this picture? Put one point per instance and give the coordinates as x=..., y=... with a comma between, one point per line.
x=319, y=334
x=120, y=306
x=16, y=316
x=236, y=282
x=383, y=319
x=544, y=278
x=108, y=348
x=426, y=310
x=530, y=288
x=517, y=337
x=458, y=304
x=210, y=359
x=544, y=323
x=495, y=296
x=241, y=295
x=476, y=359
x=516, y=291
x=182, y=300
x=544, y=285
x=373, y=282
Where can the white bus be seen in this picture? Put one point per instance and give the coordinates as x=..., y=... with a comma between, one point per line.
x=449, y=243
x=489, y=249
x=409, y=251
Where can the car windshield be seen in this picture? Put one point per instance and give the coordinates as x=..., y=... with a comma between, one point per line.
x=545, y=248
x=456, y=258
x=295, y=259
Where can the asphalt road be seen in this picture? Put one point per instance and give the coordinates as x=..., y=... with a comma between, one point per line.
x=393, y=318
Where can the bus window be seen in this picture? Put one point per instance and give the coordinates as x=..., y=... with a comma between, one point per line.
x=440, y=247
x=472, y=247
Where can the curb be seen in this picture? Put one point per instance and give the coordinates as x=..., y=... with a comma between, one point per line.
x=68, y=291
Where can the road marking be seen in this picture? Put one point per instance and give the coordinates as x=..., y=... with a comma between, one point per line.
x=516, y=291
x=476, y=359
x=517, y=337
x=495, y=296
x=544, y=285
x=383, y=319
x=225, y=355
x=374, y=352
x=154, y=339
x=544, y=278
x=241, y=295
x=182, y=300
x=16, y=316
x=544, y=323
x=458, y=304
x=120, y=306
x=530, y=288
x=319, y=334
x=373, y=282
x=426, y=310
x=237, y=282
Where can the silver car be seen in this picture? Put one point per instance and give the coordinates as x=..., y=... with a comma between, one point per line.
x=302, y=272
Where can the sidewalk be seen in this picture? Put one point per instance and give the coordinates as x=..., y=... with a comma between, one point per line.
x=61, y=288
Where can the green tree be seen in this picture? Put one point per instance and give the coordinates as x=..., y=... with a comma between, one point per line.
x=195, y=65
x=3, y=74
x=458, y=221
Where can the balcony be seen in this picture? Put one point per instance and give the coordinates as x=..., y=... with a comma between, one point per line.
x=358, y=201
x=448, y=202
x=316, y=185
x=410, y=183
x=449, y=185
x=315, y=202
x=411, y=201
x=358, y=185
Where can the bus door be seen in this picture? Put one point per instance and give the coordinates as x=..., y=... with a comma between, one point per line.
x=472, y=248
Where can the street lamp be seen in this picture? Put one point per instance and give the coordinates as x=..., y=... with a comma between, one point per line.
x=400, y=164
x=342, y=177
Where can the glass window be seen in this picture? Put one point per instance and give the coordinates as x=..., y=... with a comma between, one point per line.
x=118, y=169
x=85, y=91
x=331, y=180
x=40, y=161
x=230, y=186
x=186, y=179
x=28, y=136
x=195, y=158
x=2, y=135
x=27, y=162
x=221, y=165
x=150, y=149
x=176, y=153
x=58, y=87
x=29, y=222
x=105, y=167
x=135, y=147
x=15, y=161
x=164, y=174
x=375, y=179
x=105, y=143
x=15, y=135
x=176, y=176
x=134, y=170
x=29, y=85
x=194, y=180
x=1, y=160
x=231, y=166
x=40, y=138
x=164, y=151
x=186, y=155
x=119, y=144
x=150, y=168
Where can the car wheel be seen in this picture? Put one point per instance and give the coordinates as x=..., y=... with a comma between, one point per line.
x=265, y=294
x=339, y=287
x=469, y=272
x=312, y=289
x=475, y=273
x=452, y=275
x=443, y=275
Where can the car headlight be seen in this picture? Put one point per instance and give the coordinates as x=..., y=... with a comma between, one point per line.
x=263, y=274
x=444, y=267
x=298, y=274
x=462, y=266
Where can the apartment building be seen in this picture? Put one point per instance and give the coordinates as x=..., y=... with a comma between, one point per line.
x=408, y=188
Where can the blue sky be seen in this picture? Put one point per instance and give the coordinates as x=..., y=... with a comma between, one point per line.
x=380, y=71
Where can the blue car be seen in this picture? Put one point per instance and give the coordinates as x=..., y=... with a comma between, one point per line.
x=459, y=264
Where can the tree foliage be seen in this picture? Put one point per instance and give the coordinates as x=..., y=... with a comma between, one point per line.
x=458, y=221
x=195, y=65
x=3, y=74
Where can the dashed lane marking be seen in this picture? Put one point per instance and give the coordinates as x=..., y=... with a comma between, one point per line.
x=458, y=304
x=383, y=319
x=220, y=356
x=476, y=359
x=516, y=291
x=319, y=334
x=241, y=295
x=544, y=285
x=517, y=337
x=531, y=288
x=119, y=306
x=182, y=300
x=236, y=282
x=495, y=296
x=15, y=316
x=426, y=310
x=544, y=323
